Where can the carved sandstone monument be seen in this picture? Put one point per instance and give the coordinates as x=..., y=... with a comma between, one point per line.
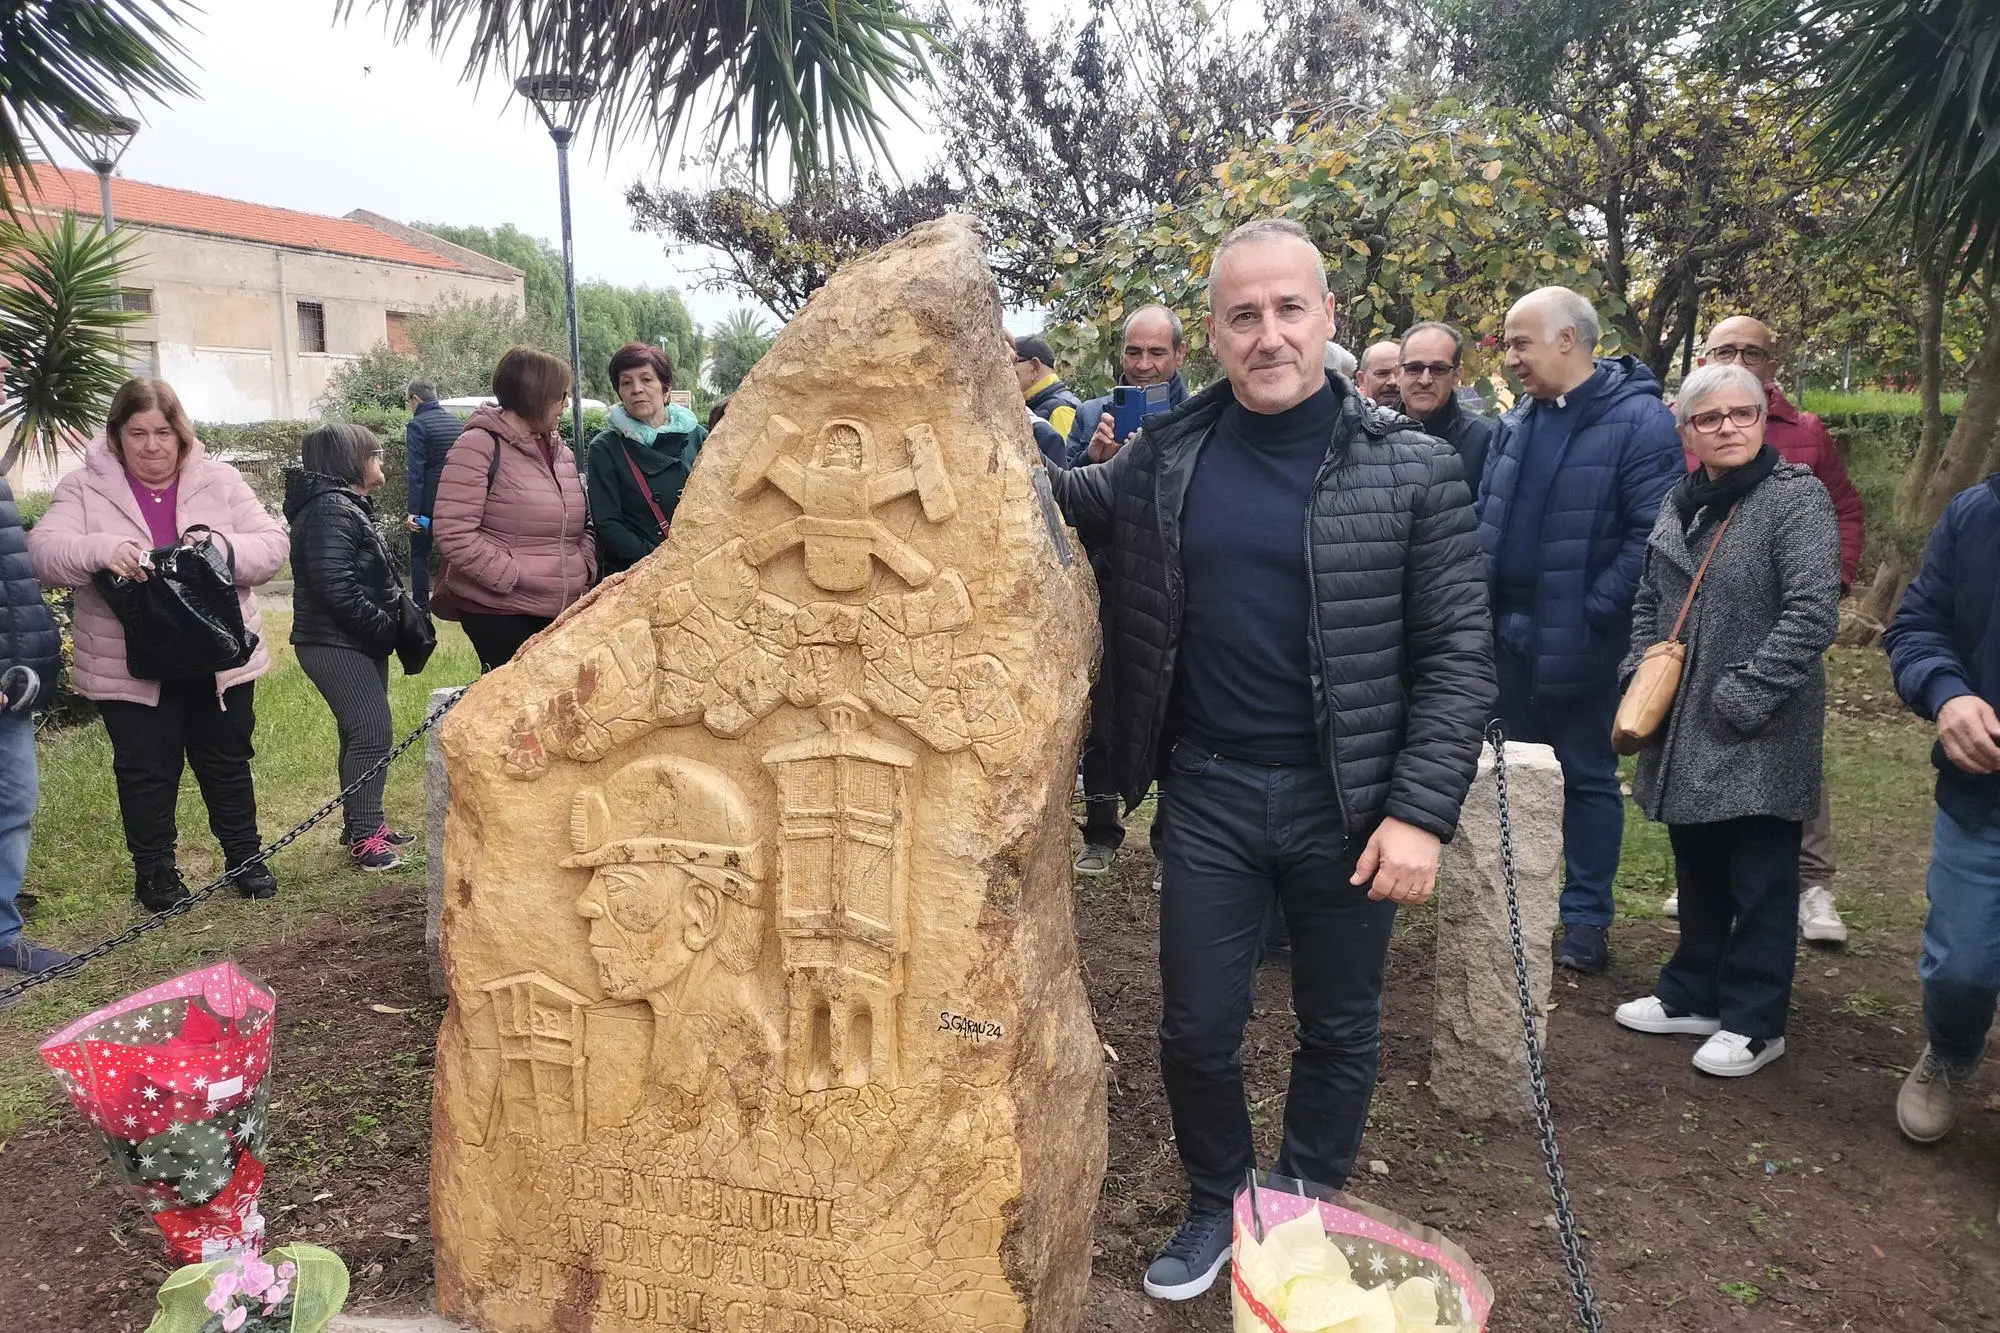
x=764, y=1006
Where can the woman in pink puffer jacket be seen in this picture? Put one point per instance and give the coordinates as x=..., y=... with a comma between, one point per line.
x=510, y=521
x=143, y=484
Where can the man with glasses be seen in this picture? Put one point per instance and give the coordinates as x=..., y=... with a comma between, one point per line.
x=1799, y=437
x=1431, y=356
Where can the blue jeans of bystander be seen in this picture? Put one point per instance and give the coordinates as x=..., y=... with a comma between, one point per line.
x=17, y=816
x=1960, y=965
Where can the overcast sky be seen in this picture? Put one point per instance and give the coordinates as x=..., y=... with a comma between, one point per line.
x=298, y=112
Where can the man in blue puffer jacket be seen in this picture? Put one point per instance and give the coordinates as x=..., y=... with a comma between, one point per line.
x=1572, y=488
x=30, y=657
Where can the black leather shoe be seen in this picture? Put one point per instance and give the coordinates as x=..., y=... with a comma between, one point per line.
x=257, y=882
x=160, y=888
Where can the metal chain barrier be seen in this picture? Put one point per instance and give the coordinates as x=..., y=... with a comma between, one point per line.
x=205, y=892
x=1572, y=1247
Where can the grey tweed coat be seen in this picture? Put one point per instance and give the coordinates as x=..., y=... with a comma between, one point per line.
x=1745, y=733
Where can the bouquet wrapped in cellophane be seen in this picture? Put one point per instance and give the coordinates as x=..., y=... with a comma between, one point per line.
x=173, y=1080
x=1313, y=1260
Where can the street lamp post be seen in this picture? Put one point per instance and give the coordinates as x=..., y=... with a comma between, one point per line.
x=553, y=96
x=104, y=140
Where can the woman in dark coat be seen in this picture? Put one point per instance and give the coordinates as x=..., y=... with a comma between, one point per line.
x=651, y=441
x=347, y=617
x=1737, y=772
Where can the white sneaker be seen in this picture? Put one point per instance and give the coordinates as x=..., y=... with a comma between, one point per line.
x=1732, y=1055
x=1648, y=1014
x=1819, y=920
x=1672, y=907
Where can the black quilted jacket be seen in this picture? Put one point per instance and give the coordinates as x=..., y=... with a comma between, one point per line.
x=28, y=633
x=344, y=590
x=1402, y=640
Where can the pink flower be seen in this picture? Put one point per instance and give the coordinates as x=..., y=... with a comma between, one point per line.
x=256, y=1275
x=276, y=1294
x=225, y=1285
x=216, y=1300
x=287, y=1270
x=234, y=1319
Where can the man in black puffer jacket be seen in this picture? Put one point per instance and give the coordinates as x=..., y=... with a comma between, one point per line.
x=29, y=640
x=1304, y=661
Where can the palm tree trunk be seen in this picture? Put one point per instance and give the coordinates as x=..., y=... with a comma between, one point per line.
x=1966, y=453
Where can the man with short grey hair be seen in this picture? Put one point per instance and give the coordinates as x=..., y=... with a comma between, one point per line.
x=1152, y=347
x=1431, y=357
x=1572, y=487
x=1297, y=622
x=1377, y=376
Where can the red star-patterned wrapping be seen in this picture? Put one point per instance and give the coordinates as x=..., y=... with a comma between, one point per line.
x=173, y=1079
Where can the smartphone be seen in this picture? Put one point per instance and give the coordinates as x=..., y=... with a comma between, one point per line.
x=1131, y=404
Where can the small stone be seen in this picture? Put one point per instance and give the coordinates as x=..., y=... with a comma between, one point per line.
x=1378, y=1167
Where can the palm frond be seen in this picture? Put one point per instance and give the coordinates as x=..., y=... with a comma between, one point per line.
x=1916, y=84
x=812, y=73
x=60, y=319
x=62, y=64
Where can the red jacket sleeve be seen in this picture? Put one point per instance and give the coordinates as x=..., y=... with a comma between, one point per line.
x=1831, y=470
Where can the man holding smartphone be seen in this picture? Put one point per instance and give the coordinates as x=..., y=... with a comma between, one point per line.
x=1151, y=353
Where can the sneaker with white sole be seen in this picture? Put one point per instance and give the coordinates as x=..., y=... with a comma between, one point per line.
x=374, y=853
x=1672, y=906
x=1187, y=1265
x=1732, y=1055
x=1651, y=1014
x=1819, y=919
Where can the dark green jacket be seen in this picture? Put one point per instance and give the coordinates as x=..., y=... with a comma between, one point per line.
x=627, y=532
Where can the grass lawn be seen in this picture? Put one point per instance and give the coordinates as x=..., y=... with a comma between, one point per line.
x=80, y=870
x=1875, y=401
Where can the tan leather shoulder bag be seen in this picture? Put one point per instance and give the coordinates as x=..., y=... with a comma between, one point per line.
x=1642, y=713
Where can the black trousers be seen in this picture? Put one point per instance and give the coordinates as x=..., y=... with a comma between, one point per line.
x=497, y=638
x=1236, y=837
x=1101, y=824
x=189, y=728
x=356, y=689
x=1739, y=889
x=420, y=569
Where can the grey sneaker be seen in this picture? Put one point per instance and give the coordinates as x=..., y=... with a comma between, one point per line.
x=1095, y=860
x=1196, y=1253
x=1927, y=1106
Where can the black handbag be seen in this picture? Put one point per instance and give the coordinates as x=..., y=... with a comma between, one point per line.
x=183, y=621
x=416, y=637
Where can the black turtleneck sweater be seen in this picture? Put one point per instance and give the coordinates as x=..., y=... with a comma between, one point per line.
x=1244, y=684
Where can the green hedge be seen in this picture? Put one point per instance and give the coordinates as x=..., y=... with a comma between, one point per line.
x=1878, y=447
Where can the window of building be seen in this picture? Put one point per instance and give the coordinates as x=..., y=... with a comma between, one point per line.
x=142, y=359
x=136, y=299
x=399, y=334
x=312, y=326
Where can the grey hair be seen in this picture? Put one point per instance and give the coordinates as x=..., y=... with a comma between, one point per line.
x=1568, y=310
x=341, y=450
x=1339, y=359
x=1432, y=326
x=1265, y=231
x=1704, y=382
x=423, y=391
x=1173, y=322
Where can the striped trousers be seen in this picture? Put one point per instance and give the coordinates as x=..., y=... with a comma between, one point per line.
x=356, y=687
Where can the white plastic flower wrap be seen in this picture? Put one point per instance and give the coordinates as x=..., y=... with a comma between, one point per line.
x=1311, y=1260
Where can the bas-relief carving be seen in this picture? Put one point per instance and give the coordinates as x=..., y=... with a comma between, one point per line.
x=733, y=1115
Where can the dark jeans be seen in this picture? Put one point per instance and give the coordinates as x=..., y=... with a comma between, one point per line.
x=1101, y=824
x=1232, y=838
x=497, y=638
x=1738, y=882
x=1579, y=731
x=420, y=569
x=356, y=689
x=150, y=747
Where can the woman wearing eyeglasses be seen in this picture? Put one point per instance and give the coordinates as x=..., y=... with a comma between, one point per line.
x=1736, y=771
